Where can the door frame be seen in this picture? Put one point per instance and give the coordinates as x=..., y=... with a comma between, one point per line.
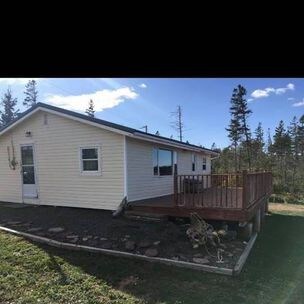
x=35, y=169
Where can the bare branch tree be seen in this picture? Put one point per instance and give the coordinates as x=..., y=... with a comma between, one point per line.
x=178, y=124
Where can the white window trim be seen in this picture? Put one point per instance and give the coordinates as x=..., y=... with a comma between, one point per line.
x=163, y=176
x=90, y=173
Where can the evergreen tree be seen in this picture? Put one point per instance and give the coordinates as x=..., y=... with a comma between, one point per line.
x=257, y=147
x=281, y=148
x=269, y=142
x=294, y=149
x=301, y=136
x=9, y=104
x=243, y=113
x=31, y=94
x=234, y=128
x=90, y=110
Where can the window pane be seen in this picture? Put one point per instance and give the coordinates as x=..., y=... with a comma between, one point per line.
x=165, y=162
x=89, y=153
x=155, y=167
x=204, y=163
x=27, y=155
x=90, y=165
x=28, y=175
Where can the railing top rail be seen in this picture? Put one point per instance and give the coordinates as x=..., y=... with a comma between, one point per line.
x=252, y=173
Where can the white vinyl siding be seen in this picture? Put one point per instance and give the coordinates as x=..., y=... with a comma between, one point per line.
x=141, y=181
x=60, y=181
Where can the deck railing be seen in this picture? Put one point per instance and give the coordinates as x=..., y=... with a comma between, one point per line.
x=236, y=190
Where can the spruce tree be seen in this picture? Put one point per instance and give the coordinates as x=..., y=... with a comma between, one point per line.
x=294, y=149
x=9, y=104
x=257, y=145
x=90, y=110
x=281, y=148
x=243, y=113
x=301, y=136
x=239, y=127
x=31, y=94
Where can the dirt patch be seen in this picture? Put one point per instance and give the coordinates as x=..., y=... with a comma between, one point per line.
x=99, y=229
x=276, y=207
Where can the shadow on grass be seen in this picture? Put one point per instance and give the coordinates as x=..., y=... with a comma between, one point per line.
x=274, y=271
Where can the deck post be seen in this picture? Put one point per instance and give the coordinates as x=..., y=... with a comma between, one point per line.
x=175, y=187
x=244, y=198
x=257, y=221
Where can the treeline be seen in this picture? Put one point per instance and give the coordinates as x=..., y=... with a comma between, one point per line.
x=9, y=104
x=9, y=110
x=282, y=153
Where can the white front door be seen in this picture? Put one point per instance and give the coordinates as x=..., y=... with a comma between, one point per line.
x=28, y=172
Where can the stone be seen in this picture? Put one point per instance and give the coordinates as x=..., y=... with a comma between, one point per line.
x=223, y=245
x=56, y=229
x=72, y=236
x=130, y=245
x=175, y=258
x=156, y=243
x=197, y=255
x=222, y=232
x=84, y=239
x=200, y=260
x=74, y=240
x=151, y=252
x=96, y=237
x=103, y=239
x=14, y=223
x=127, y=236
x=144, y=244
x=34, y=229
x=230, y=255
x=89, y=236
x=107, y=245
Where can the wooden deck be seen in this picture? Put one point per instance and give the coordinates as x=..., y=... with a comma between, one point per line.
x=234, y=197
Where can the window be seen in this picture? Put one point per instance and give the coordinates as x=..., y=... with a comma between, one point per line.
x=162, y=162
x=204, y=167
x=89, y=159
x=193, y=159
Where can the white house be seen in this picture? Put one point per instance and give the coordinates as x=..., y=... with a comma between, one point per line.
x=52, y=156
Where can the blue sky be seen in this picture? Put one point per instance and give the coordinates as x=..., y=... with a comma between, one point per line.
x=136, y=102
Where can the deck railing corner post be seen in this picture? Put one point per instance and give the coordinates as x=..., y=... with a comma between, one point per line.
x=175, y=187
x=244, y=202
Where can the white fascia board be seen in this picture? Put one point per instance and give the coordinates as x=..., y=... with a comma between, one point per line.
x=170, y=143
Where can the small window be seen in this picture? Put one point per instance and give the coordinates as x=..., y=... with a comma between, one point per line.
x=89, y=159
x=162, y=162
x=204, y=167
x=193, y=162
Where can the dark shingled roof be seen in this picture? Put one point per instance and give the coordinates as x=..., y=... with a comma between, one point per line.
x=98, y=121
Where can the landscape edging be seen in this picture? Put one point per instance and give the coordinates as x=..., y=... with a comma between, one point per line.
x=220, y=270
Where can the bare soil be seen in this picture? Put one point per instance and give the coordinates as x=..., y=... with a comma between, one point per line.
x=98, y=228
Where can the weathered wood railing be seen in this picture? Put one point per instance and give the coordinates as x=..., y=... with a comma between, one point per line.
x=236, y=190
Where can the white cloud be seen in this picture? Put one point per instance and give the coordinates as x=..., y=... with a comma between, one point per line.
x=250, y=99
x=267, y=91
x=103, y=99
x=299, y=104
x=11, y=81
x=143, y=86
x=290, y=98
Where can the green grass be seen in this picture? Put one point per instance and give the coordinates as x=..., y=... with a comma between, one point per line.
x=274, y=273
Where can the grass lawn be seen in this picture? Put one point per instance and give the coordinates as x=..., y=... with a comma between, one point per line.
x=274, y=272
